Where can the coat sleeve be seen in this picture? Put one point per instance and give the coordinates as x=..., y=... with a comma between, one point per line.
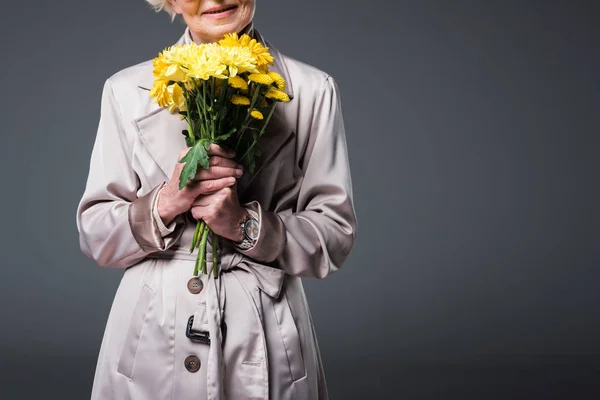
x=316, y=239
x=117, y=228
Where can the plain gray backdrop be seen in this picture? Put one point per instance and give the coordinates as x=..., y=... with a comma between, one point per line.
x=472, y=130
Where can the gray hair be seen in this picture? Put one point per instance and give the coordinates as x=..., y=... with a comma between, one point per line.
x=162, y=5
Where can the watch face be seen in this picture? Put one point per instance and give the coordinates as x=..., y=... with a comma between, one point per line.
x=252, y=229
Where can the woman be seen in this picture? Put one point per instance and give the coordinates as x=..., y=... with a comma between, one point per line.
x=249, y=334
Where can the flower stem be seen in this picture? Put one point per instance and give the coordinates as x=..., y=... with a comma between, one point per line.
x=203, y=250
x=262, y=130
x=202, y=228
x=195, y=238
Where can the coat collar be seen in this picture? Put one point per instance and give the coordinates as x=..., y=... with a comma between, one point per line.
x=160, y=131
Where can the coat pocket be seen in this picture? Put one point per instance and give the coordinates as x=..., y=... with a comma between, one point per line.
x=134, y=332
x=290, y=336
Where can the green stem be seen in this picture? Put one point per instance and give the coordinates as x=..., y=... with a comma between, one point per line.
x=239, y=136
x=262, y=130
x=202, y=114
x=203, y=250
x=248, y=118
x=202, y=225
x=222, y=97
x=195, y=238
x=189, y=119
x=197, y=265
x=202, y=228
x=205, y=111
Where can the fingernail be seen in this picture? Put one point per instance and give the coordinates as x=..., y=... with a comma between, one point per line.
x=238, y=172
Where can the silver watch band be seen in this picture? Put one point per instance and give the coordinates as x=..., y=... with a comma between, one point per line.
x=246, y=243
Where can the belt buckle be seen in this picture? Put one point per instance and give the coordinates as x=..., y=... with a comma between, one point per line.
x=203, y=336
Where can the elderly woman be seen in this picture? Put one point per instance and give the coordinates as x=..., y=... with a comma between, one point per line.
x=166, y=337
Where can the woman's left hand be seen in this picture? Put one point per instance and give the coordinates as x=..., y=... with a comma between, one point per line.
x=221, y=211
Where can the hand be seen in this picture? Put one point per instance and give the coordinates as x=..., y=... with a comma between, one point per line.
x=222, y=173
x=222, y=212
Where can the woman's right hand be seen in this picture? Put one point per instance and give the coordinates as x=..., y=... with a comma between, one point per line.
x=222, y=172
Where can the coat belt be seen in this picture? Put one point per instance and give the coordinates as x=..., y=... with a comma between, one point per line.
x=268, y=279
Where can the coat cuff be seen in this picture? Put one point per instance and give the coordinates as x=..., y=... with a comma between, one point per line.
x=271, y=234
x=144, y=226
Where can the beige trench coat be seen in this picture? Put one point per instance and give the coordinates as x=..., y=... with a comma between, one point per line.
x=302, y=192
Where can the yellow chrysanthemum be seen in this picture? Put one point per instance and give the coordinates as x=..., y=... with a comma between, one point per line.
x=172, y=63
x=278, y=79
x=236, y=59
x=238, y=83
x=259, y=52
x=277, y=95
x=159, y=92
x=240, y=100
x=262, y=79
x=178, y=100
x=256, y=114
x=206, y=62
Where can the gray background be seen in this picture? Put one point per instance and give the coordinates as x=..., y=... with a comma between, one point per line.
x=472, y=129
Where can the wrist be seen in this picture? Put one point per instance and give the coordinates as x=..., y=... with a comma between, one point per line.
x=239, y=233
x=166, y=214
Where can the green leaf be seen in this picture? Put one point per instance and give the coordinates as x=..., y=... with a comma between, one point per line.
x=189, y=141
x=197, y=154
x=226, y=135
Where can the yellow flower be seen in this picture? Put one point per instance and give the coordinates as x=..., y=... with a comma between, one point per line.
x=240, y=100
x=172, y=63
x=231, y=40
x=262, y=79
x=206, y=62
x=236, y=59
x=279, y=81
x=178, y=100
x=168, y=96
x=238, y=83
x=256, y=114
x=277, y=95
x=259, y=52
x=160, y=93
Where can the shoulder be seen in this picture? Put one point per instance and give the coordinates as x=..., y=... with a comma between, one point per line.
x=131, y=78
x=307, y=79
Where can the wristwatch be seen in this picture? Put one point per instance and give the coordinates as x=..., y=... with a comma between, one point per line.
x=249, y=227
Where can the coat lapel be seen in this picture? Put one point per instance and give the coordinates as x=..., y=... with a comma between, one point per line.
x=160, y=131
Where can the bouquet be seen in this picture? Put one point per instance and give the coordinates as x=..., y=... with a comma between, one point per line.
x=227, y=95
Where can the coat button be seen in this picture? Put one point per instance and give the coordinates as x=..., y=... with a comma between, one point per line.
x=195, y=285
x=192, y=363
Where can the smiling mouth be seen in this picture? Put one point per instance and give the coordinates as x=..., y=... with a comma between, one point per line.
x=222, y=10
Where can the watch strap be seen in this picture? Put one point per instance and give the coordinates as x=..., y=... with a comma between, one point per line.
x=246, y=242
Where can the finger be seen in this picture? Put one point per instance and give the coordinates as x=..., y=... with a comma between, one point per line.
x=210, y=185
x=223, y=162
x=206, y=199
x=201, y=202
x=216, y=150
x=215, y=172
